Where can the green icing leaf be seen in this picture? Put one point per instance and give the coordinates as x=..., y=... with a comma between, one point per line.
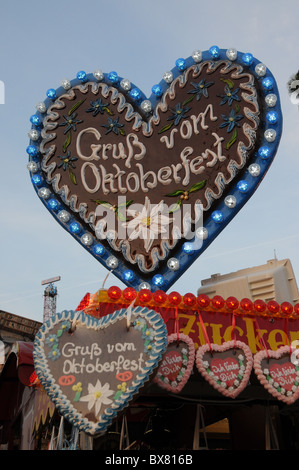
x=197, y=186
x=175, y=193
x=67, y=142
x=76, y=106
x=229, y=82
x=165, y=128
x=72, y=177
x=102, y=203
x=232, y=140
x=175, y=207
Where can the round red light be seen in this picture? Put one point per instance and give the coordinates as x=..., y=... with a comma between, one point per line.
x=232, y=303
x=287, y=308
x=203, y=300
x=246, y=304
x=189, y=299
x=260, y=306
x=130, y=294
x=296, y=309
x=218, y=302
x=114, y=293
x=174, y=298
x=159, y=297
x=273, y=306
x=145, y=295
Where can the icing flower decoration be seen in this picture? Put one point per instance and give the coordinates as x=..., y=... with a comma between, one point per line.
x=52, y=340
x=200, y=89
x=229, y=95
x=65, y=325
x=140, y=323
x=148, y=334
x=177, y=115
x=114, y=126
x=98, y=107
x=148, y=347
x=97, y=396
x=54, y=354
x=70, y=122
x=231, y=121
x=148, y=223
x=67, y=161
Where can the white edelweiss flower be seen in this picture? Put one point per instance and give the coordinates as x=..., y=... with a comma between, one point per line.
x=147, y=223
x=98, y=396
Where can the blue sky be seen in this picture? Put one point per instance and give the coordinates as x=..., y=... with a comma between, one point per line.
x=42, y=43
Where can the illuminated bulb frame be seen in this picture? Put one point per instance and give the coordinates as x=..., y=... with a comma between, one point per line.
x=213, y=228
x=202, y=302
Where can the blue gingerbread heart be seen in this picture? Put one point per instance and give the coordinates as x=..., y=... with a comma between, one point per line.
x=145, y=185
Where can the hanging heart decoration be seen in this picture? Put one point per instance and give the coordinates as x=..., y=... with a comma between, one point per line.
x=177, y=363
x=92, y=369
x=278, y=374
x=145, y=185
x=226, y=367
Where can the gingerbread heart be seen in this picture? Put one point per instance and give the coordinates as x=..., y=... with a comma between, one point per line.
x=145, y=185
x=226, y=367
x=278, y=374
x=177, y=363
x=92, y=369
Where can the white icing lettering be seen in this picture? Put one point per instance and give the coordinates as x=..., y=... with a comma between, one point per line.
x=164, y=174
x=96, y=175
x=95, y=148
x=131, y=153
x=169, y=142
x=144, y=176
x=187, y=128
x=135, y=149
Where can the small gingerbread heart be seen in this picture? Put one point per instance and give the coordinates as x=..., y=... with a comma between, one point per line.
x=177, y=363
x=92, y=369
x=278, y=374
x=226, y=367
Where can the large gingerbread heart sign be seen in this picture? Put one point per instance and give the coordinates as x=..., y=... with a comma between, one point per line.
x=92, y=369
x=147, y=184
